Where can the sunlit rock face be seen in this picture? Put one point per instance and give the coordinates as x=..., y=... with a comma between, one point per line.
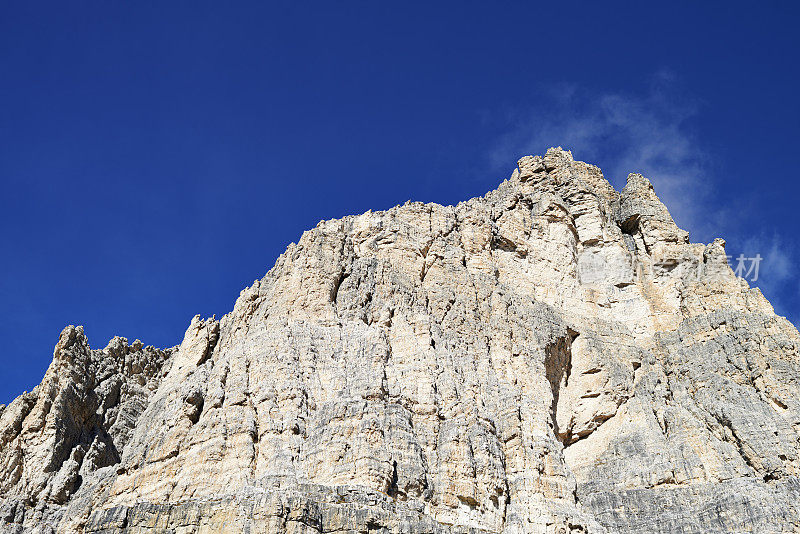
x=553, y=357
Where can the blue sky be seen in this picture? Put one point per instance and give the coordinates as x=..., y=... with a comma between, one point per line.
x=155, y=158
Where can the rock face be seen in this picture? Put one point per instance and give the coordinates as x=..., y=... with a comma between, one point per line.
x=554, y=357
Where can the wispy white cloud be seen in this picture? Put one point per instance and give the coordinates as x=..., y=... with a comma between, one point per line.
x=650, y=131
x=777, y=266
x=623, y=133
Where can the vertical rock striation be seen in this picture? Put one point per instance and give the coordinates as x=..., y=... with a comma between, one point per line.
x=553, y=357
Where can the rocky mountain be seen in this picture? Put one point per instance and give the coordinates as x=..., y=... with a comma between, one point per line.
x=553, y=357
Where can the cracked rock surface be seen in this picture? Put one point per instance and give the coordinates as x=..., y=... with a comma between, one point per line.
x=553, y=357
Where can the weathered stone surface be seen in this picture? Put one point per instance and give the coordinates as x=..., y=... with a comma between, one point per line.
x=553, y=357
x=76, y=422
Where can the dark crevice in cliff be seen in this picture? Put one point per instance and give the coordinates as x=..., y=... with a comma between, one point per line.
x=337, y=283
x=630, y=225
x=392, y=491
x=499, y=242
x=558, y=366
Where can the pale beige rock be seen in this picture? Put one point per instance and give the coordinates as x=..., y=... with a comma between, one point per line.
x=543, y=359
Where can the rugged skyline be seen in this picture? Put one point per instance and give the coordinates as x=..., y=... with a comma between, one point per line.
x=156, y=158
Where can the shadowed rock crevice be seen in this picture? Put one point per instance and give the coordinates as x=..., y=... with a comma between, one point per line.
x=558, y=366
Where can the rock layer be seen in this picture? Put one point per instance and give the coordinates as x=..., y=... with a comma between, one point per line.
x=553, y=357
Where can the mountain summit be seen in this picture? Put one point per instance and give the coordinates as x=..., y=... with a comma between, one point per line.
x=553, y=357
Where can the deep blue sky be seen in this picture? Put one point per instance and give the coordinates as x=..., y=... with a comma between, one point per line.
x=156, y=157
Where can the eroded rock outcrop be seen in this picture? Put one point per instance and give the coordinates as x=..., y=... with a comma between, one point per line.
x=76, y=422
x=553, y=357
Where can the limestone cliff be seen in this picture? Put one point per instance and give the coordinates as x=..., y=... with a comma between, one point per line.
x=554, y=357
